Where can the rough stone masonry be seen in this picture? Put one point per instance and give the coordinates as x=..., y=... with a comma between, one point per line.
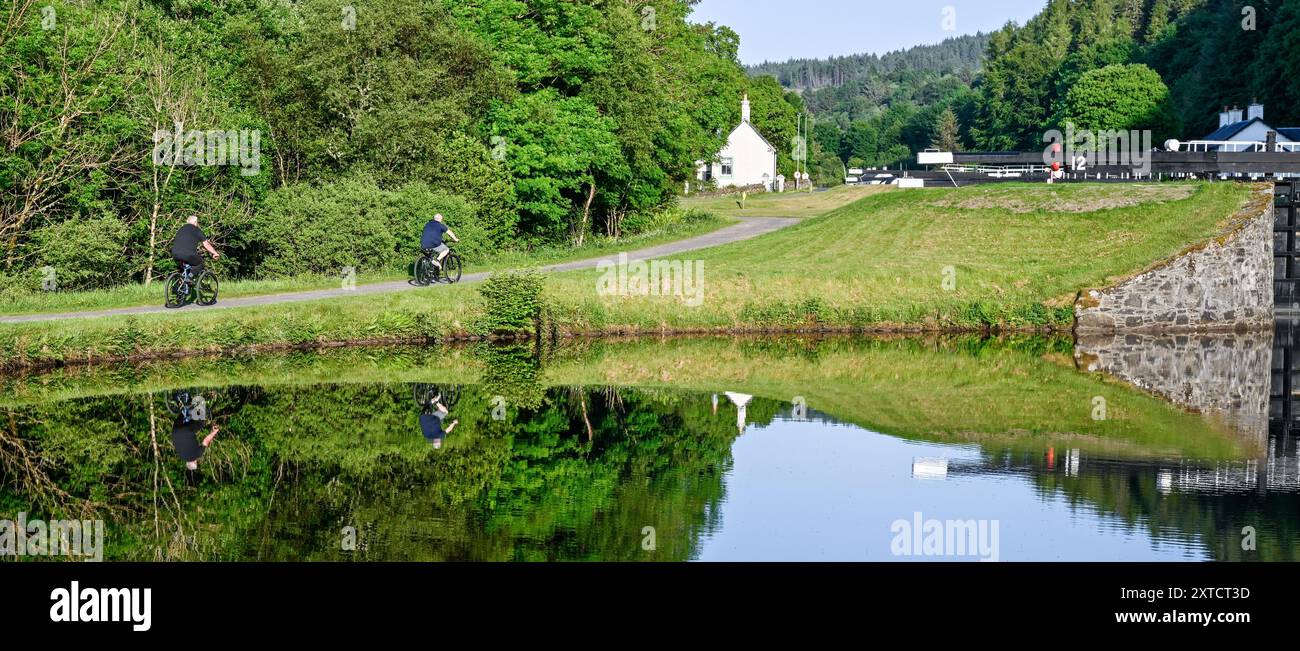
x=1223, y=285
x=1227, y=374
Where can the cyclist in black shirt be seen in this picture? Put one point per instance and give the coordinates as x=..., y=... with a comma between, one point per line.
x=185, y=436
x=431, y=422
x=185, y=248
x=431, y=238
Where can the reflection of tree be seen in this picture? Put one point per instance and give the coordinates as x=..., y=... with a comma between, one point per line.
x=512, y=371
x=28, y=473
x=297, y=464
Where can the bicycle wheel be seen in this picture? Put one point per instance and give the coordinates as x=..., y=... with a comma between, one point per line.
x=422, y=268
x=176, y=402
x=175, y=291
x=424, y=394
x=207, y=288
x=450, y=396
x=451, y=268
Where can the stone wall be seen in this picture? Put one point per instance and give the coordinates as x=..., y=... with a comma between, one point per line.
x=1225, y=374
x=1225, y=284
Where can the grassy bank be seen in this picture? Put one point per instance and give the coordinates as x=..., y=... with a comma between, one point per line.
x=1020, y=393
x=1009, y=257
x=1003, y=256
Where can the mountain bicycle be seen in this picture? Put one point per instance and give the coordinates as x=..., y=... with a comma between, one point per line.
x=181, y=287
x=428, y=273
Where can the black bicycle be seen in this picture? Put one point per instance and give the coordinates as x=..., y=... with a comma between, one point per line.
x=191, y=406
x=182, y=287
x=428, y=394
x=428, y=273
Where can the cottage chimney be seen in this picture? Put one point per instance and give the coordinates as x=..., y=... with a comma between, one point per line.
x=1234, y=116
x=744, y=109
x=1255, y=110
x=1223, y=117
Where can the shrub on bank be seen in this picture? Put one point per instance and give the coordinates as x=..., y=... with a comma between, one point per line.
x=513, y=302
x=82, y=253
x=658, y=220
x=320, y=229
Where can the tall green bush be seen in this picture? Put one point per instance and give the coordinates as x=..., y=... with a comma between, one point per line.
x=84, y=253
x=305, y=228
x=513, y=301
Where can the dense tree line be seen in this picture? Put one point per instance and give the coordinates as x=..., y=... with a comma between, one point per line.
x=877, y=71
x=1169, y=66
x=1165, y=65
x=529, y=122
x=875, y=111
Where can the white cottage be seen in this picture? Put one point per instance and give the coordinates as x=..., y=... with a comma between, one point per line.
x=1245, y=133
x=748, y=159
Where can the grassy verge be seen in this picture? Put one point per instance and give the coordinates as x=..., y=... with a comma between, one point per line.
x=1007, y=257
x=696, y=223
x=1019, y=393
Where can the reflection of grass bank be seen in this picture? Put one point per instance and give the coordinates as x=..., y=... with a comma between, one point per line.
x=1020, y=393
x=891, y=261
x=1016, y=394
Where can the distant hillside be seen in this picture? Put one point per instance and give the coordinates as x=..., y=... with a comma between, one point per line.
x=962, y=53
x=871, y=111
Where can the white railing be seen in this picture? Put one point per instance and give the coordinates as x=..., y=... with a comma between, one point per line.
x=1237, y=146
x=998, y=170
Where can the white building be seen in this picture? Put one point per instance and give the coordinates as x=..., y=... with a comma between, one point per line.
x=748, y=159
x=1245, y=133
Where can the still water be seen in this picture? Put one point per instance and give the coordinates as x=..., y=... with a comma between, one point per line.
x=965, y=449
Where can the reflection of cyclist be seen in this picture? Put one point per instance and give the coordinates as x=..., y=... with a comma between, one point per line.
x=185, y=248
x=431, y=420
x=185, y=436
x=431, y=239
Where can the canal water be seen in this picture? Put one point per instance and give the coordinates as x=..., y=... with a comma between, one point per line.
x=950, y=450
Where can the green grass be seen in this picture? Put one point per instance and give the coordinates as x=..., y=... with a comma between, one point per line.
x=883, y=260
x=1022, y=393
x=787, y=204
x=137, y=294
x=418, y=313
x=877, y=264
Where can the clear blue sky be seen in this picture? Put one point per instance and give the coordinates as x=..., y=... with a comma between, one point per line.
x=778, y=30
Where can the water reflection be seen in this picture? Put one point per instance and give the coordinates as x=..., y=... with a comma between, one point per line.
x=190, y=413
x=1224, y=374
x=720, y=449
x=434, y=412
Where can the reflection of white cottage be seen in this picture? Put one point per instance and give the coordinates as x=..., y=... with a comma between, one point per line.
x=741, y=401
x=748, y=159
